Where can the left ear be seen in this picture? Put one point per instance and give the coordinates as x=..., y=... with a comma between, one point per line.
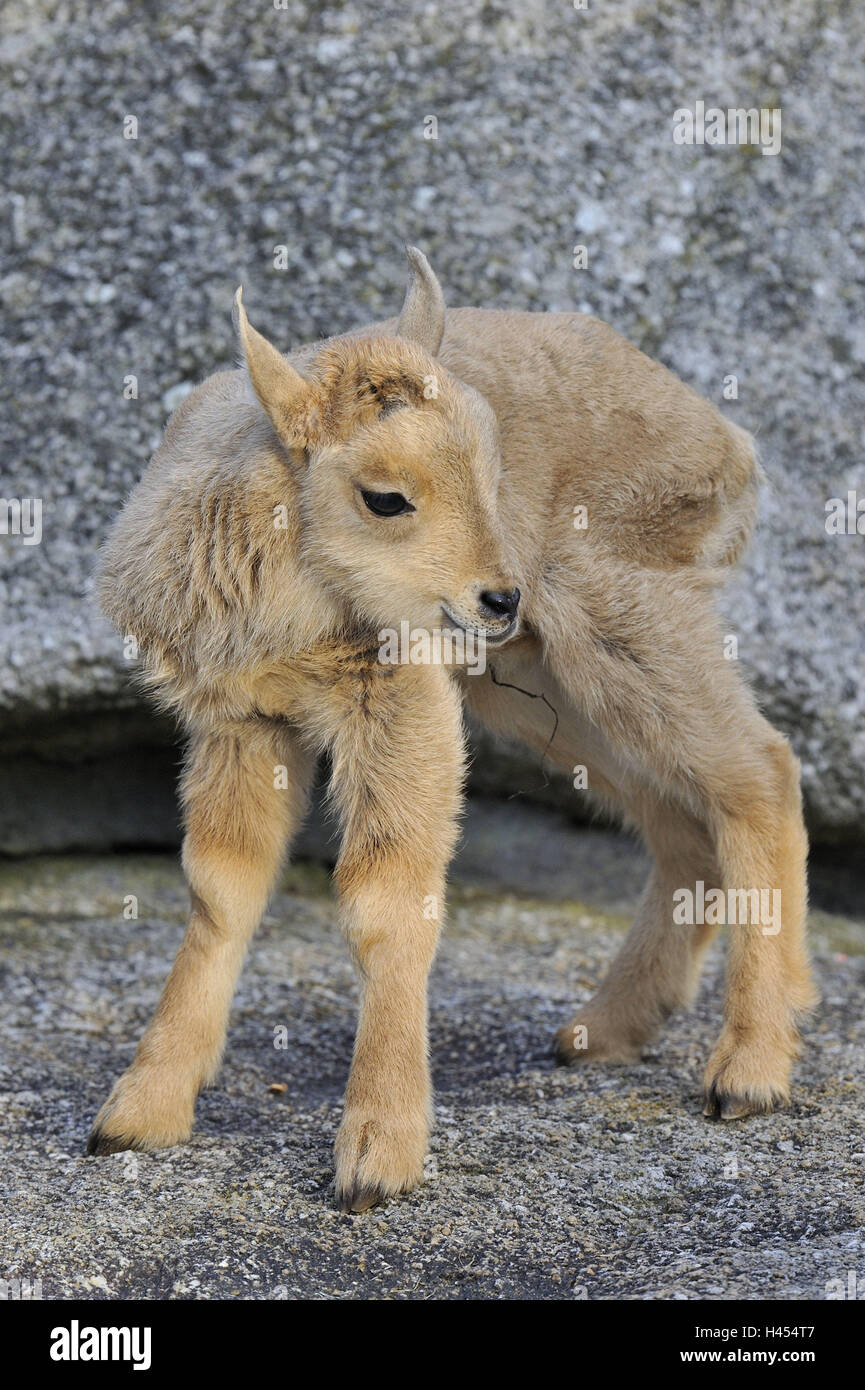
x=422, y=317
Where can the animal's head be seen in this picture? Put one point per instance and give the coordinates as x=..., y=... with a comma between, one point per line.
x=397, y=468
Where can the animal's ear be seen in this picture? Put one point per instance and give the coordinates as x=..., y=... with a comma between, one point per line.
x=422, y=317
x=290, y=400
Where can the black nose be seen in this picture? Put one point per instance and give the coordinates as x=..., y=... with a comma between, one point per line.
x=500, y=604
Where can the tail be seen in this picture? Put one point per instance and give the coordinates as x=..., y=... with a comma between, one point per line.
x=729, y=538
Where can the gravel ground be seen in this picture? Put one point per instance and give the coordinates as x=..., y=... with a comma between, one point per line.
x=542, y=1183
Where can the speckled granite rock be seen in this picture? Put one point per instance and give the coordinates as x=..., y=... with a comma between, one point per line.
x=303, y=128
x=542, y=1183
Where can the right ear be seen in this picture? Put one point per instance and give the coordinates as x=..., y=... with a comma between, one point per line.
x=291, y=402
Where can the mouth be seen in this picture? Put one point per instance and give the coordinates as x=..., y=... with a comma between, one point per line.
x=493, y=639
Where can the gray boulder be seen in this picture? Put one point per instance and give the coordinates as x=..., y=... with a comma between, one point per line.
x=289, y=149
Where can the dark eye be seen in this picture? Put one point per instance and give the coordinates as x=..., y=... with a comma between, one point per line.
x=386, y=503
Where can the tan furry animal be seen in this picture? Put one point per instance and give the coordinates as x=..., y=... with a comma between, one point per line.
x=432, y=469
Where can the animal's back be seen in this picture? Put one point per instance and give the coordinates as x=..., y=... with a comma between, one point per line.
x=587, y=420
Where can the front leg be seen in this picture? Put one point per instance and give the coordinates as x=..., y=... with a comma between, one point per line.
x=382, y=1141
x=238, y=822
x=398, y=766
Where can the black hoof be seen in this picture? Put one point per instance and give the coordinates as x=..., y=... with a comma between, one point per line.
x=359, y=1199
x=101, y=1143
x=727, y=1105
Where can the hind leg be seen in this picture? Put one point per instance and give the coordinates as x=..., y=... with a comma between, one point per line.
x=657, y=968
x=642, y=657
x=763, y=851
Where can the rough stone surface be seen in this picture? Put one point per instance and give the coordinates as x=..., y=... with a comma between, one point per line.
x=542, y=1183
x=303, y=127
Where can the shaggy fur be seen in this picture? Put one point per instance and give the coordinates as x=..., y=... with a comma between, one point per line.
x=255, y=578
